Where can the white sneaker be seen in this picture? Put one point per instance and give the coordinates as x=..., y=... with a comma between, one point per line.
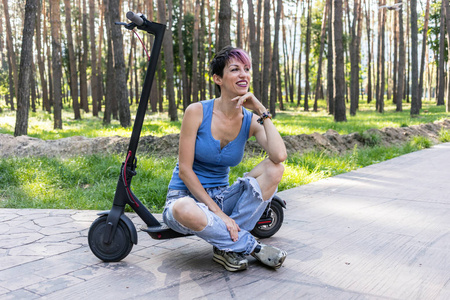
x=269, y=255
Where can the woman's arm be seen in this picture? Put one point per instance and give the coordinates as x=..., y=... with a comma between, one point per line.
x=188, y=134
x=266, y=134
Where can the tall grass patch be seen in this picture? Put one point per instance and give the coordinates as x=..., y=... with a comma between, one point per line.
x=87, y=182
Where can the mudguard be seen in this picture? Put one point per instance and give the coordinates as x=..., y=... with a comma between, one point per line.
x=281, y=201
x=128, y=222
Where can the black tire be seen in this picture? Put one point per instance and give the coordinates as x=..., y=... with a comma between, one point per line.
x=277, y=214
x=120, y=246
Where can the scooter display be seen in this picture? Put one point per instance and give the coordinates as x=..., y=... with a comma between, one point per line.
x=112, y=235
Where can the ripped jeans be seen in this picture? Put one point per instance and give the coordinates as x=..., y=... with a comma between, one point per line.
x=242, y=201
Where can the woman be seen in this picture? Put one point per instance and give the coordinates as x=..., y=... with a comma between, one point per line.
x=212, y=138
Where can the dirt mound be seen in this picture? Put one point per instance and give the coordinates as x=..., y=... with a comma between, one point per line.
x=330, y=141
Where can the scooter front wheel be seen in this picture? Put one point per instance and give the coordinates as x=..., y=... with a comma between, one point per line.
x=120, y=245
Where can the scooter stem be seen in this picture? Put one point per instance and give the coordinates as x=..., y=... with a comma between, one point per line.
x=158, y=31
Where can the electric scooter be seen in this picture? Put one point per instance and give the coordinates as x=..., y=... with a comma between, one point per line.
x=112, y=235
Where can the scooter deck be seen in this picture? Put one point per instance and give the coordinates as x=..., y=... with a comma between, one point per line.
x=162, y=232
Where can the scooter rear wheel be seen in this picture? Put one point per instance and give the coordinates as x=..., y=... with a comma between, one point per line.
x=120, y=245
x=275, y=212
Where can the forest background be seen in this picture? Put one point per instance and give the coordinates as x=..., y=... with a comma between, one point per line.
x=71, y=54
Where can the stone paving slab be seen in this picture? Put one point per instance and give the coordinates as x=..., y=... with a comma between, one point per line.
x=381, y=232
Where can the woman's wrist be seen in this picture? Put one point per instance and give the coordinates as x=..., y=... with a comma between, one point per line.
x=265, y=115
x=261, y=110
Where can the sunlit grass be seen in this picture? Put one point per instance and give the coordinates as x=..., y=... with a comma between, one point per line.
x=89, y=182
x=292, y=121
x=86, y=182
x=40, y=125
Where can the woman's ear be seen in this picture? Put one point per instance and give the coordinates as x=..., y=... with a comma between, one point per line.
x=217, y=79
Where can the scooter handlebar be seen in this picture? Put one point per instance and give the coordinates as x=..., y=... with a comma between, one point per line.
x=135, y=18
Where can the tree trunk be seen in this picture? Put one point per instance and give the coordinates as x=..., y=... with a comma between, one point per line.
x=119, y=65
x=259, y=43
x=299, y=87
x=379, y=105
x=322, y=47
x=407, y=83
x=33, y=85
x=83, y=62
x=354, y=58
x=424, y=50
x=72, y=61
x=287, y=82
x=55, y=22
x=286, y=62
x=202, y=50
x=294, y=46
x=383, y=60
x=168, y=56
x=99, y=71
x=441, y=84
x=369, y=58
x=330, y=54
x=195, y=53
x=339, y=79
x=11, y=53
x=110, y=86
x=154, y=94
x=26, y=61
x=401, y=62
x=129, y=76
x=395, y=71
x=447, y=16
x=239, y=24
x=275, y=63
x=95, y=82
x=210, y=46
x=184, y=81
x=224, y=24
x=49, y=60
x=307, y=51
x=415, y=105
x=40, y=60
x=254, y=49
x=266, y=63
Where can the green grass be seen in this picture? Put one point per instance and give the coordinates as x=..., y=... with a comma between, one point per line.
x=41, y=125
x=295, y=121
x=89, y=182
x=292, y=121
x=86, y=182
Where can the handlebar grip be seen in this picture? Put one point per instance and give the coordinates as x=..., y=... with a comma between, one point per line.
x=135, y=18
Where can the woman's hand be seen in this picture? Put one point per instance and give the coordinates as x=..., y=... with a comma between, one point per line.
x=249, y=101
x=232, y=227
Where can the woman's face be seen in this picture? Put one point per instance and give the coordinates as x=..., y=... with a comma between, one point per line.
x=236, y=78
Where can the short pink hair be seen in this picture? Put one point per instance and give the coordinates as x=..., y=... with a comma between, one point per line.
x=223, y=57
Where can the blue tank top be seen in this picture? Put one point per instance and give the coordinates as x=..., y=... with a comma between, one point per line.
x=211, y=163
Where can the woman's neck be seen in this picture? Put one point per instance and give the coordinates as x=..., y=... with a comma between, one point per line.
x=226, y=106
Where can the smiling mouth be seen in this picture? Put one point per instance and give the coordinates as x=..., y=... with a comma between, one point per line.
x=242, y=83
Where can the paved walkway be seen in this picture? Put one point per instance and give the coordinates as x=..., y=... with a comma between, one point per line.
x=381, y=232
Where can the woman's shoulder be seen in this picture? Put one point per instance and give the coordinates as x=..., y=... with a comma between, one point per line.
x=194, y=110
x=198, y=106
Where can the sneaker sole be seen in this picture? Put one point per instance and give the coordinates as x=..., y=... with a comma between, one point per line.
x=281, y=261
x=229, y=267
